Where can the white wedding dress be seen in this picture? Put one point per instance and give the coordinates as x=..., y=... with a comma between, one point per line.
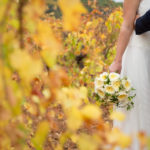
x=136, y=66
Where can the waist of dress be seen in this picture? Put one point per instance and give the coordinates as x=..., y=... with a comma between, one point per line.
x=142, y=40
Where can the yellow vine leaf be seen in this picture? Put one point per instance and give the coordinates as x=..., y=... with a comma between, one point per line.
x=83, y=92
x=38, y=6
x=74, y=120
x=27, y=67
x=71, y=13
x=44, y=36
x=47, y=41
x=142, y=138
x=87, y=142
x=40, y=136
x=91, y=112
x=124, y=140
x=116, y=115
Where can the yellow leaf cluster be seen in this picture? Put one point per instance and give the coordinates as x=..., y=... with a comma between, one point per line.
x=72, y=96
x=72, y=100
x=119, y=138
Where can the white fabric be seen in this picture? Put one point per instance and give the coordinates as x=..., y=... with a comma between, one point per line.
x=136, y=66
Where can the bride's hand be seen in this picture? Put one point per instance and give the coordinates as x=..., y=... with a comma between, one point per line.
x=115, y=67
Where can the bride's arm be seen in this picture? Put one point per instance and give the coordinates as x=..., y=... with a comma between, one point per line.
x=130, y=8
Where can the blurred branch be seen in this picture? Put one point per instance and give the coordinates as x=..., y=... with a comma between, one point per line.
x=20, y=18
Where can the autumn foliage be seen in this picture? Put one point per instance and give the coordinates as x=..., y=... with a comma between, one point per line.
x=47, y=69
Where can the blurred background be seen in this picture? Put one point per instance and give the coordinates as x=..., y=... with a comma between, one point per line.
x=87, y=3
x=50, y=54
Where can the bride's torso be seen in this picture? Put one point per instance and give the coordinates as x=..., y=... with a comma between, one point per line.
x=142, y=40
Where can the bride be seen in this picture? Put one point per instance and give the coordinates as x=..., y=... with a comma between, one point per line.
x=133, y=60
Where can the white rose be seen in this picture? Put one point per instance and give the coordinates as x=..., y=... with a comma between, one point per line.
x=109, y=89
x=126, y=84
x=101, y=92
x=103, y=76
x=98, y=82
x=114, y=76
x=122, y=96
x=116, y=85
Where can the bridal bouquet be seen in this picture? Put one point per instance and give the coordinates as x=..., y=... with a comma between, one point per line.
x=111, y=88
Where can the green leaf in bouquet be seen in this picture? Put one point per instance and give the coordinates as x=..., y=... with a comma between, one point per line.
x=107, y=94
x=117, y=104
x=107, y=81
x=121, y=87
x=132, y=103
x=97, y=96
x=133, y=89
x=125, y=78
x=128, y=107
x=114, y=98
x=131, y=97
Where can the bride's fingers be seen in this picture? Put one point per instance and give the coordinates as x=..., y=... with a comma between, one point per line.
x=110, y=69
x=119, y=71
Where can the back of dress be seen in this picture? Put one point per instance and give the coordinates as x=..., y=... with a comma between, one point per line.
x=144, y=6
x=144, y=39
